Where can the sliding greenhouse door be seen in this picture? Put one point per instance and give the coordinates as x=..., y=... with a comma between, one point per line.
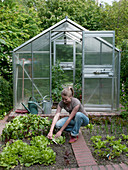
x=98, y=70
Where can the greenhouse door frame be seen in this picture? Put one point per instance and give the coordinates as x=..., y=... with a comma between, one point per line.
x=65, y=65
x=98, y=72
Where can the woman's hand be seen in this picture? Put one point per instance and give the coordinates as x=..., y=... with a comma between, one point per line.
x=58, y=134
x=49, y=136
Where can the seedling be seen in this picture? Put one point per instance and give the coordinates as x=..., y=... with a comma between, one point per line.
x=125, y=137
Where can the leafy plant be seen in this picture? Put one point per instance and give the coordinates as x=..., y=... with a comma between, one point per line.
x=115, y=147
x=25, y=127
x=27, y=155
x=59, y=140
x=125, y=137
x=5, y=97
x=57, y=82
x=90, y=126
x=110, y=138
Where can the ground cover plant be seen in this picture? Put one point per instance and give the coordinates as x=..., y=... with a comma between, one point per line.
x=24, y=145
x=25, y=127
x=107, y=139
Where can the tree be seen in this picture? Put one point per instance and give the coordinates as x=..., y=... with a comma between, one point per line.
x=16, y=26
x=115, y=18
x=85, y=13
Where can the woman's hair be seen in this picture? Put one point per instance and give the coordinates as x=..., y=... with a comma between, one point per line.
x=68, y=91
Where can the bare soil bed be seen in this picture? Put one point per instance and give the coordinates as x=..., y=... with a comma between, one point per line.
x=64, y=158
x=114, y=127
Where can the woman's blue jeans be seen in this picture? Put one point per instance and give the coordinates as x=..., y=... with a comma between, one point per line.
x=79, y=120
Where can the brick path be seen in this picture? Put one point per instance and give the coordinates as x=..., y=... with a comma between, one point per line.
x=82, y=153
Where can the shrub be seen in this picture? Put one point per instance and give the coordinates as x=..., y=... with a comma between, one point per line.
x=6, y=100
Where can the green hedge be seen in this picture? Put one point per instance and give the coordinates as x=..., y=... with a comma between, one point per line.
x=6, y=99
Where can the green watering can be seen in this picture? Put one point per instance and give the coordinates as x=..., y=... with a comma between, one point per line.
x=33, y=106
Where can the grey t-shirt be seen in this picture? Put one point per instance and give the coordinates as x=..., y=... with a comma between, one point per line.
x=74, y=103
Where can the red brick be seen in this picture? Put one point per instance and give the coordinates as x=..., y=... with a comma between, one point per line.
x=95, y=167
x=116, y=166
x=84, y=158
x=80, y=168
x=124, y=166
x=81, y=150
x=87, y=163
x=82, y=145
x=88, y=168
x=79, y=155
x=102, y=167
x=109, y=167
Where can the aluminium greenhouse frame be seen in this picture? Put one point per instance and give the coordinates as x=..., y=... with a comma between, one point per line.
x=70, y=43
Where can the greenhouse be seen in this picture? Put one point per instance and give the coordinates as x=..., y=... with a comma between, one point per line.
x=89, y=59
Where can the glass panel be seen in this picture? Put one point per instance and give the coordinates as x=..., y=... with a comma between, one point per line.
x=66, y=26
x=41, y=66
x=98, y=69
x=41, y=44
x=40, y=58
x=23, y=74
x=68, y=79
x=92, y=55
x=107, y=55
x=43, y=86
x=24, y=49
x=100, y=54
x=27, y=64
x=64, y=53
x=97, y=91
x=27, y=91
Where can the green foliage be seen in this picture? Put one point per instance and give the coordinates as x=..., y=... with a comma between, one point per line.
x=5, y=96
x=115, y=18
x=57, y=82
x=104, y=147
x=90, y=126
x=85, y=13
x=17, y=24
x=59, y=140
x=124, y=102
x=26, y=127
x=125, y=137
x=124, y=73
x=27, y=155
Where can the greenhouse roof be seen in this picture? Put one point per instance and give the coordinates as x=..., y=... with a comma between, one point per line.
x=65, y=26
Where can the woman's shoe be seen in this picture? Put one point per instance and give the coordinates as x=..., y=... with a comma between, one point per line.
x=73, y=139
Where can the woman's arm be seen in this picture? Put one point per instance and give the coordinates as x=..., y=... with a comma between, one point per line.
x=56, y=117
x=73, y=113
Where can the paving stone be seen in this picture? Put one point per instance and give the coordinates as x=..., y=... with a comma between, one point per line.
x=116, y=166
x=88, y=168
x=124, y=166
x=91, y=163
x=101, y=167
x=109, y=167
x=95, y=167
x=81, y=168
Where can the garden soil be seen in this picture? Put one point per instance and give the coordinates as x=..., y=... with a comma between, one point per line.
x=101, y=130
x=64, y=158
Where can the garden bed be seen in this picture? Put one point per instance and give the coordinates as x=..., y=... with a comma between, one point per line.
x=64, y=157
x=114, y=128
x=25, y=129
